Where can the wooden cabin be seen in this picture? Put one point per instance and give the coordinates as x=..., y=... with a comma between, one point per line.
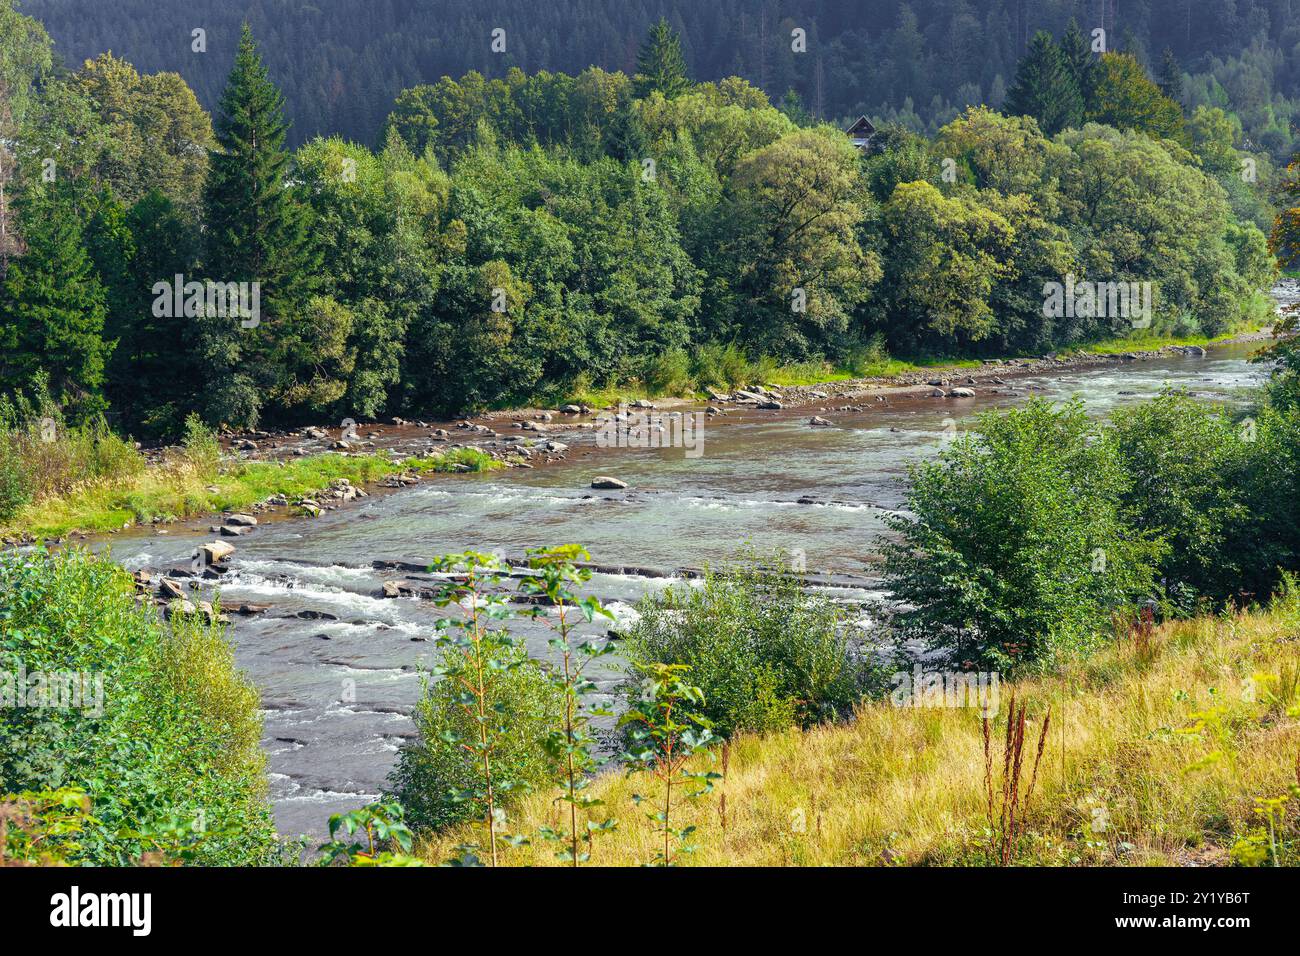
x=860, y=133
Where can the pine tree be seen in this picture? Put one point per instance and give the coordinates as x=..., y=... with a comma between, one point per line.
x=52, y=310
x=1045, y=87
x=257, y=232
x=660, y=64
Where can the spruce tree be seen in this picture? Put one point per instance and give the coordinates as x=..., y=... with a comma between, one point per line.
x=1079, y=59
x=257, y=232
x=1171, y=77
x=1045, y=87
x=52, y=310
x=660, y=64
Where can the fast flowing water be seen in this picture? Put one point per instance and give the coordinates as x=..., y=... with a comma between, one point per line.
x=337, y=689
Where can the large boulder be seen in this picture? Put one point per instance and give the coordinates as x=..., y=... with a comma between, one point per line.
x=216, y=552
x=604, y=482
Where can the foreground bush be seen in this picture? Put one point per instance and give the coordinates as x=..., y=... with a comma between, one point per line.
x=162, y=735
x=767, y=652
x=436, y=769
x=1014, y=547
x=1187, y=462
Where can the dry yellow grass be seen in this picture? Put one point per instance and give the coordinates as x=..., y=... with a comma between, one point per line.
x=1130, y=776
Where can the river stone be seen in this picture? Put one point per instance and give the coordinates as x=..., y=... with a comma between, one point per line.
x=604, y=482
x=816, y=420
x=182, y=606
x=168, y=588
x=962, y=393
x=215, y=552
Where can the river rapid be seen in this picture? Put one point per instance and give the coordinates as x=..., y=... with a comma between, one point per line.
x=338, y=666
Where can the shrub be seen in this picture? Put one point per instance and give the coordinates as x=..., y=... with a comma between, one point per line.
x=669, y=373
x=202, y=449
x=164, y=740
x=1014, y=546
x=1184, y=460
x=435, y=770
x=767, y=653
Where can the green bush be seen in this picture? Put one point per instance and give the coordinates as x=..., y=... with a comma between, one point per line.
x=164, y=738
x=433, y=769
x=1185, y=461
x=768, y=653
x=1014, y=545
x=202, y=449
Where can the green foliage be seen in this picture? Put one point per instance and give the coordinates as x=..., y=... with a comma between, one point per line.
x=571, y=743
x=1123, y=96
x=163, y=737
x=483, y=719
x=1046, y=88
x=438, y=779
x=1187, y=461
x=666, y=733
x=660, y=67
x=1014, y=546
x=257, y=231
x=52, y=309
x=767, y=653
x=40, y=828
x=377, y=836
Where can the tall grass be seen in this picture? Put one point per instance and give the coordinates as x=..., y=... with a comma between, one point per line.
x=90, y=480
x=1131, y=772
x=43, y=458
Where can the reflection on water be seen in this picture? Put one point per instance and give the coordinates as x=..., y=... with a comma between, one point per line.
x=337, y=689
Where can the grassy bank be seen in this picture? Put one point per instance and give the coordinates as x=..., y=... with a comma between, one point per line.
x=1146, y=343
x=1159, y=752
x=71, y=484
x=689, y=379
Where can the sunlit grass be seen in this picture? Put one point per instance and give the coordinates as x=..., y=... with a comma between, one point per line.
x=1122, y=781
x=176, y=489
x=1148, y=342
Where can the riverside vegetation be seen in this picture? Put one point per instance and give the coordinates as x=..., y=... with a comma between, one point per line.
x=1133, y=741
x=1131, y=581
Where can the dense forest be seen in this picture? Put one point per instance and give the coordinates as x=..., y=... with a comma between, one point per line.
x=522, y=238
x=921, y=63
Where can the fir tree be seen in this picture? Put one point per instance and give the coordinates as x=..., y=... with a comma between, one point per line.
x=52, y=310
x=1079, y=59
x=1045, y=87
x=257, y=232
x=1171, y=77
x=660, y=64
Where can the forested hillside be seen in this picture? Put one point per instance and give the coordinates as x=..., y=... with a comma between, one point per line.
x=534, y=237
x=341, y=62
